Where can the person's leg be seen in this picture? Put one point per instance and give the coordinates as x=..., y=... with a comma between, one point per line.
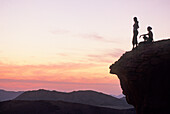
x=145, y=38
x=134, y=41
x=135, y=38
x=149, y=40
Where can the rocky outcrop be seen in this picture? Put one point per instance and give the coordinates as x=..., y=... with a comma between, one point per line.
x=144, y=75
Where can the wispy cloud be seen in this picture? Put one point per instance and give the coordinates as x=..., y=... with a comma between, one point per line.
x=53, y=82
x=107, y=56
x=63, y=54
x=14, y=84
x=65, y=76
x=51, y=66
x=91, y=36
x=96, y=37
x=115, y=52
x=59, y=31
x=55, y=71
x=99, y=59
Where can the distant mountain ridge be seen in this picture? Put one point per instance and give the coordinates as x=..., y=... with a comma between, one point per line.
x=118, y=96
x=9, y=95
x=84, y=97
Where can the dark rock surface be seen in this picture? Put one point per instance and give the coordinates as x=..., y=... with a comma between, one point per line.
x=144, y=75
x=55, y=107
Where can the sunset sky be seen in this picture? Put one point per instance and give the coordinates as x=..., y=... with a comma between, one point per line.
x=68, y=45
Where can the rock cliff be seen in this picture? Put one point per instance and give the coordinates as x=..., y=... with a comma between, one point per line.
x=144, y=75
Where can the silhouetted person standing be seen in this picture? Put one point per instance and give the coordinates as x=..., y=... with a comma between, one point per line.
x=135, y=32
x=149, y=34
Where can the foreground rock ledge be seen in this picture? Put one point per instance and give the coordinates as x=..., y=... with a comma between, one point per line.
x=144, y=75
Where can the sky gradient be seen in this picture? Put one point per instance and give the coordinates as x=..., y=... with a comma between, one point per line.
x=68, y=45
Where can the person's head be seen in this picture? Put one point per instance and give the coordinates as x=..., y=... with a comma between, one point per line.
x=149, y=28
x=135, y=19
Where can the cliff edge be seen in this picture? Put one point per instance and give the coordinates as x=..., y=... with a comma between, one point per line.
x=144, y=75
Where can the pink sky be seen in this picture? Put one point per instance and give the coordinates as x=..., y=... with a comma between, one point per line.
x=68, y=45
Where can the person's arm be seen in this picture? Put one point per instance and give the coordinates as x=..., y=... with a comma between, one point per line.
x=143, y=35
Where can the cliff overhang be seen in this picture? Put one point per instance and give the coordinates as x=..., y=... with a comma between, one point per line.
x=144, y=75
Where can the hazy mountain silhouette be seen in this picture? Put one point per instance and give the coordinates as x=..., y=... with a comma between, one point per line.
x=8, y=95
x=55, y=107
x=118, y=96
x=84, y=97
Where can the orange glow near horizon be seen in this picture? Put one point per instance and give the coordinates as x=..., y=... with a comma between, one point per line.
x=58, y=77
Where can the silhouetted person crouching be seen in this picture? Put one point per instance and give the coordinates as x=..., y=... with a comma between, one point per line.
x=149, y=34
x=135, y=32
